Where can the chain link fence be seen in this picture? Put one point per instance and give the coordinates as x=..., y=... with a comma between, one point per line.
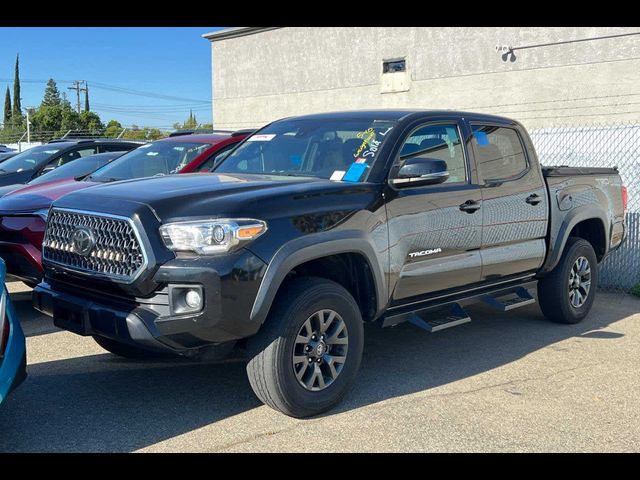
x=19, y=137
x=606, y=145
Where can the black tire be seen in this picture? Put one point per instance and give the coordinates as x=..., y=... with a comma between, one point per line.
x=128, y=351
x=271, y=370
x=553, y=290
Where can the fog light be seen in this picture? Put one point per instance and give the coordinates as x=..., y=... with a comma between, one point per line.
x=185, y=299
x=193, y=299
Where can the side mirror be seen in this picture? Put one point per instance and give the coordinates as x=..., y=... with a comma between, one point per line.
x=421, y=171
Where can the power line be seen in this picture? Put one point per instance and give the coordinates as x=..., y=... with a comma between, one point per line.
x=175, y=105
x=578, y=40
x=142, y=93
x=126, y=109
x=575, y=99
x=118, y=89
x=581, y=115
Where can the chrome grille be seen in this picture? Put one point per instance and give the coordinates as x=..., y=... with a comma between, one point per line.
x=117, y=252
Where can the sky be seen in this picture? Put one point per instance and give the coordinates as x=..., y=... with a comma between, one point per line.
x=154, y=62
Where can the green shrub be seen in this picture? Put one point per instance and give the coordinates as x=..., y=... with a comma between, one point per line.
x=636, y=290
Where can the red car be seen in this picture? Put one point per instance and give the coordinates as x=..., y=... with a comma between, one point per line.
x=23, y=212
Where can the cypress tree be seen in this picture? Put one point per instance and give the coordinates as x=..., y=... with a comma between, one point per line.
x=86, y=97
x=7, y=108
x=17, y=107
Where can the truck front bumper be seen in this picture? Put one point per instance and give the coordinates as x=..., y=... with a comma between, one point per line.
x=228, y=286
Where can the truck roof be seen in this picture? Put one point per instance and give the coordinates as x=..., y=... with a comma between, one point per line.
x=399, y=114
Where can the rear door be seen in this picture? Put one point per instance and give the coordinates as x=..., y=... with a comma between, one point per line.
x=514, y=202
x=435, y=230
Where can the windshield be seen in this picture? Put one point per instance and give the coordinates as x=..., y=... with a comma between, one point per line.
x=158, y=158
x=77, y=168
x=28, y=159
x=333, y=148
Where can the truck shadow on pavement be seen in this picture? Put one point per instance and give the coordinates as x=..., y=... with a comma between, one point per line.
x=103, y=403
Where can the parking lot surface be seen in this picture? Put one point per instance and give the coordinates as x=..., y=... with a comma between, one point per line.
x=504, y=382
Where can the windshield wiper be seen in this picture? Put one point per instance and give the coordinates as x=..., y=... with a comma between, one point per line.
x=105, y=180
x=292, y=174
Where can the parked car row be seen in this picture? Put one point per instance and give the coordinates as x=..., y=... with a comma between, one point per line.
x=296, y=235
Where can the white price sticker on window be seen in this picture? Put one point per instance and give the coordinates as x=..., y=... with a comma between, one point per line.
x=265, y=137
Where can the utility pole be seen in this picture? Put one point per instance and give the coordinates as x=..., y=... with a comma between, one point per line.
x=77, y=86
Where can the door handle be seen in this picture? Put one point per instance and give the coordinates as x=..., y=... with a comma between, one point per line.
x=533, y=199
x=470, y=206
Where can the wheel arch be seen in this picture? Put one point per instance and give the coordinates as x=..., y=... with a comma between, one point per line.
x=587, y=222
x=313, y=252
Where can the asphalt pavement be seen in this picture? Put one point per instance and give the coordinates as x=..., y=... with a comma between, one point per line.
x=504, y=382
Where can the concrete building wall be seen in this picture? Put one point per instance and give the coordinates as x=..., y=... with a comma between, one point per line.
x=296, y=70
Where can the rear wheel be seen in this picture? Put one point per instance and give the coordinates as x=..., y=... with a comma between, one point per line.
x=566, y=295
x=128, y=351
x=310, y=349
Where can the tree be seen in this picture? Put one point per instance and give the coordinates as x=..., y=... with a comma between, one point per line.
x=47, y=119
x=90, y=121
x=16, y=114
x=7, y=108
x=191, y=122
x=70, y=119
x=114, y=128
x=145, y=133
x=51, y=94
x=86, y=98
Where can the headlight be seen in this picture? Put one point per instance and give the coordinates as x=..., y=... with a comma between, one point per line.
x=207, y=237
x=43, y=214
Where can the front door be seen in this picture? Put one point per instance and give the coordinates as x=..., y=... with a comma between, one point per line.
x=435, y=230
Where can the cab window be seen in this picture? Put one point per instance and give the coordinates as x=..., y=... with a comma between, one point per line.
x=500, y=153
x=440, y=142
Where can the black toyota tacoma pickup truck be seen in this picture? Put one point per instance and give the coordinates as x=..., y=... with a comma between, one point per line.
x=316, y=224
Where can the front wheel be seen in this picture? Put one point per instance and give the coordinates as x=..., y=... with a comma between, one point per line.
x=310, y=349
x=567, y=293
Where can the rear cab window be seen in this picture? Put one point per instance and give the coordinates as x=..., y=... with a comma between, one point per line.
x=500, y=153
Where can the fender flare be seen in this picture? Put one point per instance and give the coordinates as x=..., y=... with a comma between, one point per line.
x=312, y=247
x=574, y=217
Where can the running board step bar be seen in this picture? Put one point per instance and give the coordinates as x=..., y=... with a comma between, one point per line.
x=505, y=301
x=432, y=320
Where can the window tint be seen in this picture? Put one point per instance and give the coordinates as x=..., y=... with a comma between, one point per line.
x=115, y=148
x=72, y=155
x=341, y=149
x=500, y=153
x=29, y=159
x=215, y=158
x=440, y=142
x=158, y=158
x=73, y=169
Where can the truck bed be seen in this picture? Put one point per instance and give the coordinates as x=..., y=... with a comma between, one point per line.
x=563, y=170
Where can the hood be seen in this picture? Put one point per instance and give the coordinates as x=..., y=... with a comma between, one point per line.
x=180, y=197
x=10, y=188
x=30, y=198
x=15, y=177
